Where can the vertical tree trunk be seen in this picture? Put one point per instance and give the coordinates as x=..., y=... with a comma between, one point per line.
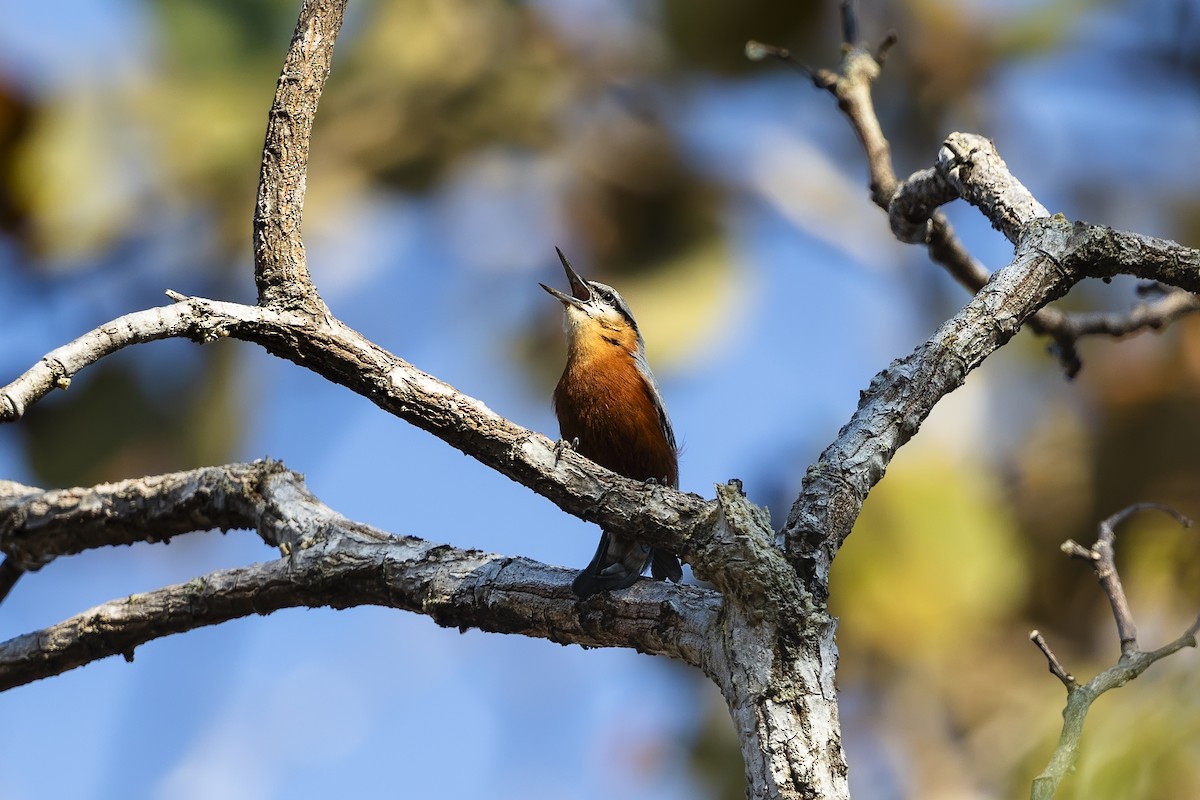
x=774, y=658
x=781, y=696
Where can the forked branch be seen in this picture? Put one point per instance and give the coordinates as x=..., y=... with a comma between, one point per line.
x=1132, y=662
x=914, y=215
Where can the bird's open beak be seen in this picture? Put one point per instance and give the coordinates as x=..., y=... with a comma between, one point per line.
x=580, y=293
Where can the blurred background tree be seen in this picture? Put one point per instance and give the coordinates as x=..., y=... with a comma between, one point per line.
x=457, y=143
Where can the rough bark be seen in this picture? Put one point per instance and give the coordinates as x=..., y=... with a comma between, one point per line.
x=326, y=560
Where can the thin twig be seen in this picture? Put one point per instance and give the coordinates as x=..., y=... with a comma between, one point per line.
x=1132, y=662
x=758, y=51
x=1056, y=667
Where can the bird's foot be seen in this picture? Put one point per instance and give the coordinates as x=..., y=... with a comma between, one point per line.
x=563, y=444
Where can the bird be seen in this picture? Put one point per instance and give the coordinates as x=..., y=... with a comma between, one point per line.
x=610, y=410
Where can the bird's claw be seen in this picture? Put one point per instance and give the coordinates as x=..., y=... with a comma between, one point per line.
x=563, y=444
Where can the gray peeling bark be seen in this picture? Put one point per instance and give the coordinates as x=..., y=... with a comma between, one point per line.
x=774, y=658
x=326, y=560
x=1052, y=255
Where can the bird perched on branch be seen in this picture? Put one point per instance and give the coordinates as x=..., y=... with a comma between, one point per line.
x=610, y=410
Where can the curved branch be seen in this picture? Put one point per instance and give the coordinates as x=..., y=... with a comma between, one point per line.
x=203, y=321
x=354, y=565
x=38, y=526
x=970, y=164
x=916, y=219
x=280, y=266
x=659, y=515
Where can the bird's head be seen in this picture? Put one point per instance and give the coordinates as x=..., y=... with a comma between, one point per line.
x=595, y=315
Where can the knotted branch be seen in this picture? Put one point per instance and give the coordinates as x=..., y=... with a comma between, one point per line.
x=913, y=210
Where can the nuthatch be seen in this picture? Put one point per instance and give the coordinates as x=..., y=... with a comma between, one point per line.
x=608, y=402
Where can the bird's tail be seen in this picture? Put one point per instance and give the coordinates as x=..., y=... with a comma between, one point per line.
x=619, y=562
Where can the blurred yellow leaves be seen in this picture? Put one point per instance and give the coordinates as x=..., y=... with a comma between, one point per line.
x=933, y=590
x=934, y=561
x=72, y=180
x=420, y=84
x=679, y=299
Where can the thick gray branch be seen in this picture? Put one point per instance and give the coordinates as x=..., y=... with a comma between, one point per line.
x=329, y=560
x=900, y=398
x=37, y=526
x=280, y=267
x=456, y=588
x=972, y=166
x=774, y=658
x=1052, y=255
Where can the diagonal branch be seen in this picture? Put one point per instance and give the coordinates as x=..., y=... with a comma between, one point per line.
x=660, y=515
x=280, y=266
x=851, y=87
x=893, y=407
x=1053, y=255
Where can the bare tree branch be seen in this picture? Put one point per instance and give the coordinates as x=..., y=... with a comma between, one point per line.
x=328, y=561
x=1052, y=255
x=765, y=639
x=892, y=408
x=10, y=573
x=1056, y=667
x=851, y=87
x=775, y=634
x=43, y=525
x=280, y=267
x=1132, y=663
x=456, y=588
x=971, y=165
x=657, y=514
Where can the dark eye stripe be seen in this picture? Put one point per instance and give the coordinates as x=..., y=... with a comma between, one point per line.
x=610, y=297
